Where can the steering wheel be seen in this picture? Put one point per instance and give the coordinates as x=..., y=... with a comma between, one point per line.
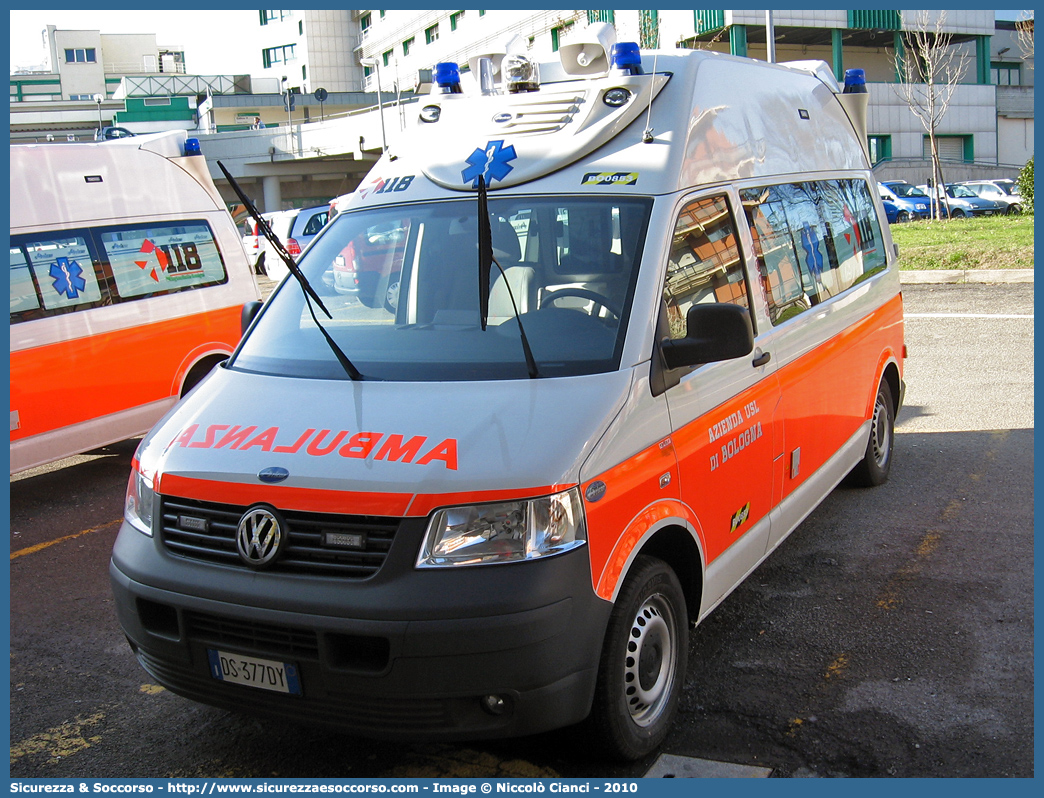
x=583, y=293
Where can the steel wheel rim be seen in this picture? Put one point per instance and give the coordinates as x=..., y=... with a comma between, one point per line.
x=880, y=434
x=650, y=660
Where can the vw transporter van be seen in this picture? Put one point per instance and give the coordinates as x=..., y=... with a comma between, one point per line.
x=646, y=318
x=128, y=281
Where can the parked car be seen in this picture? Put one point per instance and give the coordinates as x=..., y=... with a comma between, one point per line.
x=108, y=132
x=900, y=208
x=369, y=266
x=253, y=242
x=295, y=229
x=964, y=202
x=1003, y=190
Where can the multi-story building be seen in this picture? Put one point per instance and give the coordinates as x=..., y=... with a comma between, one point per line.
x=83, y=88
x=987, y=131
x=989, y=120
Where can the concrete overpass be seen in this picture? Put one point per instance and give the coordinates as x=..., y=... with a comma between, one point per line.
x=304, y=164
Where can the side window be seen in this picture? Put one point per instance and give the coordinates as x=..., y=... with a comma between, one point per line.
x=150, y=259
x=81, y=269
x=63, y=270
x=315, y=224
x=812, y=240
x=704, y=263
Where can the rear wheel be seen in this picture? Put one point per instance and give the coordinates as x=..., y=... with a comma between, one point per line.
x=873, y=469
x=643, y=662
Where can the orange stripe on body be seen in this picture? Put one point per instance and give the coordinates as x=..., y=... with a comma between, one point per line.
x=322, y=500
x=632, y=500
x=70, y=382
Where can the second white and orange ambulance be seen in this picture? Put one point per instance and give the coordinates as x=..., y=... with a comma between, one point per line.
x=633, y=316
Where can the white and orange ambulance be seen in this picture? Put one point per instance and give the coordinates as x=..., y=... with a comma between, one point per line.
x=634, y=315
x=128, y=280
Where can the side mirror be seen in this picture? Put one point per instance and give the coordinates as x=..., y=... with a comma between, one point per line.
x=247, y=315
x=713, y=332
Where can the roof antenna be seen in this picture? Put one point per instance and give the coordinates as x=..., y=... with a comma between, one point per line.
x=647, y=135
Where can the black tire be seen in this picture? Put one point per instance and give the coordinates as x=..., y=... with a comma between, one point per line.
x=957, y=213
x=643, y=662
x=876, y=464
x=1014, y=210
x=904, y=216
x=391, y=295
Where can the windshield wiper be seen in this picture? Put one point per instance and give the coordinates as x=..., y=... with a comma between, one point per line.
x=291, y=264
x=486, y=259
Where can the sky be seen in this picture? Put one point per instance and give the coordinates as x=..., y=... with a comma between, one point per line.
x=212, y=40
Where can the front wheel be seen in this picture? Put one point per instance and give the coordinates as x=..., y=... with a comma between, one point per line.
x=873, y=469
x=642, y=668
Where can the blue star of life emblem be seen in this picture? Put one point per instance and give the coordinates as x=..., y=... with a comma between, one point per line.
x=490, y=162
x=68, y=277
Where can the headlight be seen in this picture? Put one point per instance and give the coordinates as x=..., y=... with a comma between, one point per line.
x=505, y=532
x=137, y=510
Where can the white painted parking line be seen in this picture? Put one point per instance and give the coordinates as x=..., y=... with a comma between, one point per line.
x=669, y=766
x=968, y=315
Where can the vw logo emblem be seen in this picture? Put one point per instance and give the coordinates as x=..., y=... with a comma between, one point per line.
x=273, y=474
x=260, y=536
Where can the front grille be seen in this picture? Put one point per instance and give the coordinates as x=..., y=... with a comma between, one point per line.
x=265, y=639
x=206, y=531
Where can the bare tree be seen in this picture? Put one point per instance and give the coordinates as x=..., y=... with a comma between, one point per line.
x=929, y=71
x=1024, y=31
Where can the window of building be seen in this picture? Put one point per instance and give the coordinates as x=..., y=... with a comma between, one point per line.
x=151, y=101
x=274, y=16
x=386, y=56
x=84, y=55
x=557, y=34
x=81, y=97
x=1005, y=74
x=365, y=21
x=407, y=46
x=812, y=240
x=367, y=71
x=455, y=19
x=880, y=148
x=432, y=34
x=951, y=148
x=278, y=55
x=704, y=264
x=300, y=27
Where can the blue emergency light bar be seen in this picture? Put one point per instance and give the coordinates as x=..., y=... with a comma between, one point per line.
x=627, y=56
x=855, y=81
x=447, y=77
x=192, y=147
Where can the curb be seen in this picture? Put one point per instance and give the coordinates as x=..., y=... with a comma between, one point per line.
x=954, y=276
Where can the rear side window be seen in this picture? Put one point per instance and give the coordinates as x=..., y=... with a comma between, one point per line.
x=813, y=240
x=54, y=273
x=315, y=224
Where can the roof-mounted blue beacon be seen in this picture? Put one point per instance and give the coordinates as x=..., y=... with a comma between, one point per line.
x=447, y=78
x=627, y=57
x=855, y=81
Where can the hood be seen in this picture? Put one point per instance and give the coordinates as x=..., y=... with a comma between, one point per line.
x=379, y=448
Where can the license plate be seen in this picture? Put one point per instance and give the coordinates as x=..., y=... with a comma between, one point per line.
x=266, y=674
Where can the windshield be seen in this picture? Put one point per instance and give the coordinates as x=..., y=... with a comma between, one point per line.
x=906, y=190
x=401, y=283
x=960, y=191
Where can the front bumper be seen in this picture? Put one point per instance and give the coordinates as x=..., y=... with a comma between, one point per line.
x=407, y=653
